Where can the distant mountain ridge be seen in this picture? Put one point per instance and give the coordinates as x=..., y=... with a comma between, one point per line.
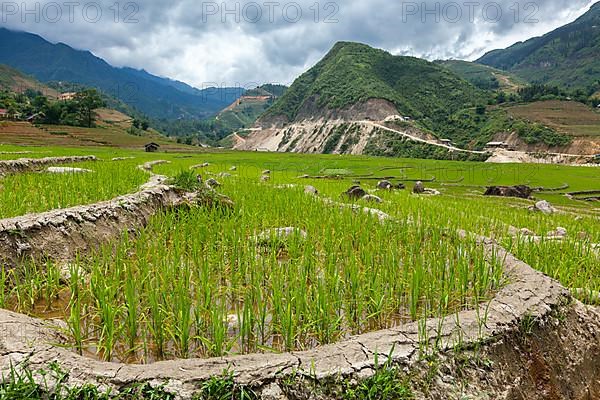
x=567, y=56
x=155, y=96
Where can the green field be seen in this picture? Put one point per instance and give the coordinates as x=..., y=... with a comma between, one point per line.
x=198, y=283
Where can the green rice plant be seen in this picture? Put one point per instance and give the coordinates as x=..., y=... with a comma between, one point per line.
x=105, y=291
x=131, y=307
x=76, y=313
x=386, y=383
x=181, y=303
x=157, y=311
x=52, y=285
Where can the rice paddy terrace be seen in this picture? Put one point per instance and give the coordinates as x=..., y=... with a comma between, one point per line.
x=251, y=275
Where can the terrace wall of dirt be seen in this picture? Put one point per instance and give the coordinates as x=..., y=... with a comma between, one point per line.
x=34, y=164
x=60, y=235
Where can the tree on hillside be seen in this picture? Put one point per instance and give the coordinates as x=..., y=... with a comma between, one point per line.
x=87, y=102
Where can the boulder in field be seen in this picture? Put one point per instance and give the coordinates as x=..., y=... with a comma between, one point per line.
x=265, y=178
x=385, y=185
x=355, y=193
x=311, y=190
x=544, y=207
x=519, y=191
x=419, y=188
x=558, y=233
x=372, y=199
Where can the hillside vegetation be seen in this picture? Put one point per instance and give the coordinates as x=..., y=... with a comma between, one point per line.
x=567, y=56
x=483, y=76
x=352, y=73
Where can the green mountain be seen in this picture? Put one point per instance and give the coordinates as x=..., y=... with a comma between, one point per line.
x=155, y=96
x=483, y=76
x=567, y=56
x=352, y=73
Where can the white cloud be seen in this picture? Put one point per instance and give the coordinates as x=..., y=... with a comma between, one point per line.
x=194, y=42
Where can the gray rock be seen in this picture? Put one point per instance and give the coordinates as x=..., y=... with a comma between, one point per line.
x=543, y=207
x=385, y=185
x=311, y=190
x=279, y=235
x=199, y=166
x=419, y=188
x=371, y=198
x=233, y=169
x=558, y=233
x=224, y=175
x=213, y=183
x=267, y=172
x=272, y=392
x=526, y=232
x=265, y=178
x=355, y=193
x=65, y=170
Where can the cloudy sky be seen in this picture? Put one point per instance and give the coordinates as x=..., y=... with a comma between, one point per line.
x=242, y=43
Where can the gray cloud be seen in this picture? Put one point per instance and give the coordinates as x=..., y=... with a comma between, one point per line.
x=228, y=42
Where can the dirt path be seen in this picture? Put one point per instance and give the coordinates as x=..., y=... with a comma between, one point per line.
x=418, y=139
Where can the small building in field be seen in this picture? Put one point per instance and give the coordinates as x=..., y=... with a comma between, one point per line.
x=4, y=113
x=152, y=147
